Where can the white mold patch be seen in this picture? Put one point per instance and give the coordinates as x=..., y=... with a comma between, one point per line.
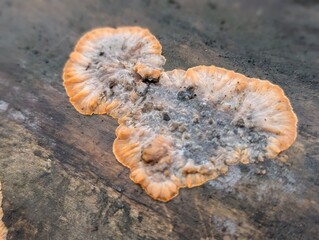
x=228, y=226
x=229, y=180
x=279, y=184
x=3, y=106
x=16, y=115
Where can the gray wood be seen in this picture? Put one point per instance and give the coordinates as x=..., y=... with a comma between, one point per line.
x=60, y=178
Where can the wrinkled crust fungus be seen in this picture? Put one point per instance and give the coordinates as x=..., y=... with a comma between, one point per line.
x=189, y=126
x=3, y=229
x=107, y=67
x=217, y=118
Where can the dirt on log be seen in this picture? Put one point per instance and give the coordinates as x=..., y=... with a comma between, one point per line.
x=60, y=179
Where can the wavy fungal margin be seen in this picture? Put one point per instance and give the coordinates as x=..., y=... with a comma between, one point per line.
x=179, y=128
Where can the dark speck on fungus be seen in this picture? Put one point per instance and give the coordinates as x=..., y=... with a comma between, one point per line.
x=186, y=94
x=166, y=116
x=240, y=123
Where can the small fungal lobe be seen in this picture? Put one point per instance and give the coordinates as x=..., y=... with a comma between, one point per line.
x=178, y=128
x=3, y=229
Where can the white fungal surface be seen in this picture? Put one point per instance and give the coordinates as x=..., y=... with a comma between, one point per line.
x=229, y=180
x=3, y=106
x=16, y=115
x=229, y=227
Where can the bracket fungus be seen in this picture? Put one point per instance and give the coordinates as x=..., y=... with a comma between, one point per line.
x=3, y=229
x=105, y=72
x=185, y=128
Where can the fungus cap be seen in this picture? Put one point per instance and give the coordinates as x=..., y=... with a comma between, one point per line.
x=107, y=65
x=237, y=120
x=149, y=158
x=261, y=104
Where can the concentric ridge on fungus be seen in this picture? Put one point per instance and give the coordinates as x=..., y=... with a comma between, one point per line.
x=189, y=126
x=105, y=66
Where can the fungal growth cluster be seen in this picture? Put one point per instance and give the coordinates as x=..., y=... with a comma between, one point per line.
x=178, y=128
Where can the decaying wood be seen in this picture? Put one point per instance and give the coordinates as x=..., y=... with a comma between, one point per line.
x=59, y=177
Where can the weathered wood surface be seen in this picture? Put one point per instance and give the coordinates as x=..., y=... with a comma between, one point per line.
x=60, y=178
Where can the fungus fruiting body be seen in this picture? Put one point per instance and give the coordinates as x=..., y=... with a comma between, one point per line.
x=186, y=127
x=217, y=118
x=3, y=229
x=105, y=71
